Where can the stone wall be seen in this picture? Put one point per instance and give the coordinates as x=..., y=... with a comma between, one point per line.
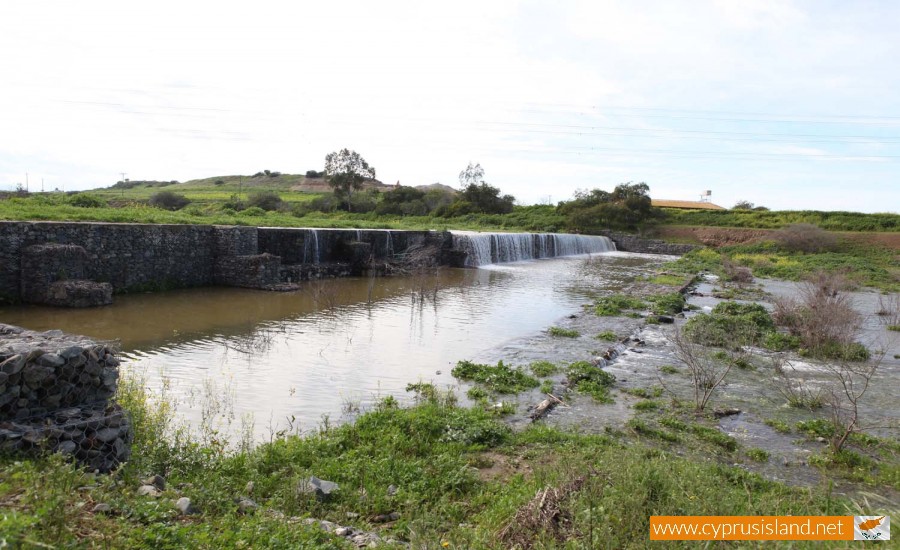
x=627, y=242
x=130, y=257
x=55, y=395
x=80, y=264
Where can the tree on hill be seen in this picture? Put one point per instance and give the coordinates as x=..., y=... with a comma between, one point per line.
x=477, y=196
x=345, y=172
x=626, y=207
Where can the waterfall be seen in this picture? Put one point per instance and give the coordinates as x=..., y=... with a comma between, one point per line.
x=389, y=245
x=495, y=248
x=311, y=247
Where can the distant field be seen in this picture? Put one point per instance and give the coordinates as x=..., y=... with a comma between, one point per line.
x=832, y=221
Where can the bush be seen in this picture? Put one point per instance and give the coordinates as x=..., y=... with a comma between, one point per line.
x=169, y=200
x=86, y=200
x=667, y=304
x=314, y=174
x=805, y=237
x=234, y=203
x=266, y=200
x=325, y=203
x=500, y=378
x=253, y=211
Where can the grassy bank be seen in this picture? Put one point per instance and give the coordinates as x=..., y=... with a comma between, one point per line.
x=831, y=221
x=461, y=476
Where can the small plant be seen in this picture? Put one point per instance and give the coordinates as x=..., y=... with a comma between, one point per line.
x=591, y=380
x=607, y=336
x=610, y=306
x=644, y=393
x=543, y=368
x=667, y=304
x=646, y=405
x=477, y=393
x=668, y=369
x=642, y=428
x=564, y=333
x=758, y=455
x=715, y=437
x=895, y=328
x=500, y=378
x=547, y=386
x=674, y=423
x=779, y=426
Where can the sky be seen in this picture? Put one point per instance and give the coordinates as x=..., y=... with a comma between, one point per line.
x=786, y=104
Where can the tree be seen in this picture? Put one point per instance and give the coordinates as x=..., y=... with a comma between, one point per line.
x=345, y=171
x=743, y=205
x=472, y=175
x=626, y=207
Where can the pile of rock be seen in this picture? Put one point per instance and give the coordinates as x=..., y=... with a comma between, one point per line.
x=55, y=392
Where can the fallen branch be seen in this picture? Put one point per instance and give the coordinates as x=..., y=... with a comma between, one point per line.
x=545, y=407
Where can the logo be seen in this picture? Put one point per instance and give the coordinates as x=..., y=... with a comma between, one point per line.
x=871, y=528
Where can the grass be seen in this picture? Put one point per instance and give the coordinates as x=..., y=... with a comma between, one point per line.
x=873, y=266
x=758, y=455
x=499, y=378
x=543, y=368
x=563, y=332
x=779, y=426
x=669, y=369
x=607, y=336
x=831, y=221
x=590, y=380
x=611, y=306
x=461, y=476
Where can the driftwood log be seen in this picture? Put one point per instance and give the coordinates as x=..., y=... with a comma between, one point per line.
x=545, y=407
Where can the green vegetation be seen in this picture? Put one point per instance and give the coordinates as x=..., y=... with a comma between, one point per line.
x=611, y=306
x=591, y=380
x=543, y=368
x=730, y=324
x=668, y=279
x=607, y=336
x=779, y=426
x=546, y=386
x=666, y=304
x=563, y=332
x=830, y=221
x=895, y=328
x=669, y=369
x=647, y=405
x=626, y=207
x=758, y=455
x=499, y=378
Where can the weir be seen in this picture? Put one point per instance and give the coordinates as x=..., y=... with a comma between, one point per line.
x=494, y=248
x=84, y=264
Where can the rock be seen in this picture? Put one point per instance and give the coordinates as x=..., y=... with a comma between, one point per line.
x=51, y=360
x=320, y=487
x=247, y=506
x=67, y=447
x=392, y=490
x=102, y=508
x=820, y=439
x=157, y=481
x=352, y=515
x=383, y=518
x=185, y=507
x=106, y=435
x=665, y=319
x=3, y=378
x=147, y=491
x=721, y=413
x=34, y=375
x=249, y=488
x=343, y=531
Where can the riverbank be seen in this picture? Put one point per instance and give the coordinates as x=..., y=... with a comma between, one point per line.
x=438, y=475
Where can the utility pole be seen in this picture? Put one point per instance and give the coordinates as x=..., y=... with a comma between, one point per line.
x=123, y=175
x=42, y=185
x=26, y=182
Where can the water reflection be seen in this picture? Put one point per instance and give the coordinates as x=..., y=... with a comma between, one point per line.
x=337, y=342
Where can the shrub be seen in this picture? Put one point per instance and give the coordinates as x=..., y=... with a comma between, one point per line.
x=86, y=200
x=730, y=324
x=667, y=304
x=543, y=368
x=608, y=336
x=581, y=371
x=253, y=211
x=609, y=306
x=500, y=378
x=266, y=200
x=234, y=203
x=805, y=237
x=563, y=332
x=169, y=200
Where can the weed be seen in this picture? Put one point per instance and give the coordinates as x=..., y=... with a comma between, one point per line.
x=666, y=304
x=758, y=455
x=669, y=369
x=607, y=336
x=563, y=332
x=543, y=368
x=642, y=428
x=715, y=437
x=779, y=426
x=547, y=386
x=644, y=393
x=611, y=306
x=500, y=378
x=674, y=423
x=646, y=405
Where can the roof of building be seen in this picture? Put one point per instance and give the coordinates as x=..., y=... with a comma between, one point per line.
x=661, y=203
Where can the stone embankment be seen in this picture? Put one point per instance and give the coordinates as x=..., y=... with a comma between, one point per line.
x=626, y=242
x=56, y=395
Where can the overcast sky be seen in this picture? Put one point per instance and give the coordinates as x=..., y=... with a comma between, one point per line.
x=786, y=104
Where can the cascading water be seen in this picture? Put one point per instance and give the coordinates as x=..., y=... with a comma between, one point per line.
x=389, y=245
x=311, y=247
x=495, y=248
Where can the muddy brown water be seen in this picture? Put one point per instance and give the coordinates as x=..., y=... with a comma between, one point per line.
x=288, y=360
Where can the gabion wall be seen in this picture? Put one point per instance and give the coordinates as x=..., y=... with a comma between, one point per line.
x=55, y=395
